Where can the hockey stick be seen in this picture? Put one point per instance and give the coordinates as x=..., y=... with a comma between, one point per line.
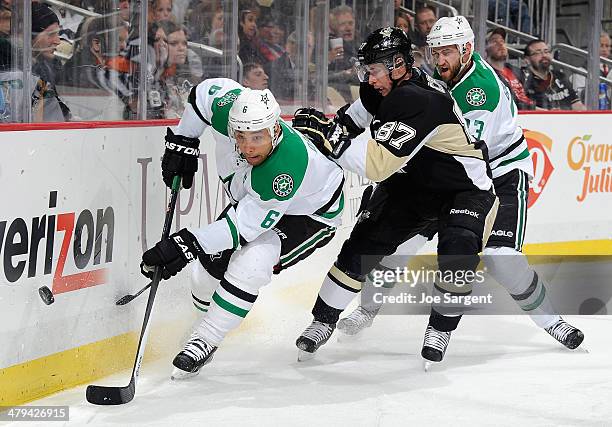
x=102, y=395
x=127, y=298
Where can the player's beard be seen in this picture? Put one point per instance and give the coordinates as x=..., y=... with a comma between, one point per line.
x=451, y=74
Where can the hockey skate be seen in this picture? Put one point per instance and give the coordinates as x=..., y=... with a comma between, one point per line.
x=357, y=321
x=196, y=354
x=434, y=346
x=566, y=334
x=312, y=338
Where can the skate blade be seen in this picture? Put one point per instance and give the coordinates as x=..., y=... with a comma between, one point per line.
x=305, y=355
x=179, y=374
x=427, y=364
x=582, y=349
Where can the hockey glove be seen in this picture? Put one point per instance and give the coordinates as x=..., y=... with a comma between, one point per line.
x=171, y=254
x=180, y=158
x=329, y=137
x=312, y=123
x=345, y=120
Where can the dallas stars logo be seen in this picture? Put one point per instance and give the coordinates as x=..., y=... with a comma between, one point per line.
x=282, y=185
x=476, y=97
x=265, y=99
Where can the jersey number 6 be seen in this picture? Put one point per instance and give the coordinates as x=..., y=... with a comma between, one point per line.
x=269, y=219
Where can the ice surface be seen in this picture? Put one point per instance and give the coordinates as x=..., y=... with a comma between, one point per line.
x=498, y=370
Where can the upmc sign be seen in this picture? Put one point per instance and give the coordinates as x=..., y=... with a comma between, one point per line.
x=89, y=234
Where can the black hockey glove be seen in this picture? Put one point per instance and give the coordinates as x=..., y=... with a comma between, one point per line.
x=312, y=123
x=172, y=254
x=180, y=158
x=329, y=137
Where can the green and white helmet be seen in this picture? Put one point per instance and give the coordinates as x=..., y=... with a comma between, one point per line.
x=254, y=110
x=449, y=31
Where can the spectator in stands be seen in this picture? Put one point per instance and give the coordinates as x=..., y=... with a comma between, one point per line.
x=182, y=62
x=6, y=48
x=548, y=87
x=161, y=10
x=157, y=53
x=341, y=58
x=5, y=22
x=424, y=20
x=271, y=37
x=96, y=61
x=579, y=81
x=604, y=52
x=497, y=57
x=254, y=76
x=205, y=22
x=403, y=20
x=181, y=71
x=46, y=104
x=125, y=10
x=342, y=24
x=284, y=73
x=247, y=33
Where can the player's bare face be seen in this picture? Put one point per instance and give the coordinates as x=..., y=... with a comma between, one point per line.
x=379, y=78
x=447, y=61
x=254, y=146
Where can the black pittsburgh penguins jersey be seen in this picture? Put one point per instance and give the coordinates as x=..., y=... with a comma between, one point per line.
x=417, y=130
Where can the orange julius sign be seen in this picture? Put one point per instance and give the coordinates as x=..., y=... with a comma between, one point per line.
x=595, y=161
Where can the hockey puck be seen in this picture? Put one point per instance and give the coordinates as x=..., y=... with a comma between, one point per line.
x=46, y=295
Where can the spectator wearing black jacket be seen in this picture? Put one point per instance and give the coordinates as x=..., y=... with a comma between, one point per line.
x=548, y=87
x=46, y=104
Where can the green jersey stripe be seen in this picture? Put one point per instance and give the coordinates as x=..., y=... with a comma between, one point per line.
x=538, y=301
x=228, y=306
x=333, y=214
x=322, y=234
x=523, y=155
x=227, y=178
x=233, y=231
x=205, y=310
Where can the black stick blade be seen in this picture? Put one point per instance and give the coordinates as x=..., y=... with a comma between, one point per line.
x=124, y=299
x=101, y=395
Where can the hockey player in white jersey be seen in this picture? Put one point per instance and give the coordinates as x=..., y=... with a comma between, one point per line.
x=491, y=116
x=286, y=201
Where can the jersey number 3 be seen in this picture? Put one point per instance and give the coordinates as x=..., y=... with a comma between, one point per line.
x=402, y=130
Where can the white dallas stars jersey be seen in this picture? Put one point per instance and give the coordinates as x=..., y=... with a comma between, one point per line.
x=296, y=179
x=490, y=114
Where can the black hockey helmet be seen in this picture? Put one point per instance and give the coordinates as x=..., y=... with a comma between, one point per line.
x=382, y=46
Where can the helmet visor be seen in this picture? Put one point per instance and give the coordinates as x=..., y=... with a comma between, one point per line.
x=377, y=70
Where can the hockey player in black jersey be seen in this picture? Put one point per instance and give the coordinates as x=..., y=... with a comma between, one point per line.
x=429, y=170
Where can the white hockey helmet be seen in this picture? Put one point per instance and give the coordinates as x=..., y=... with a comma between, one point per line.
x=451, y=30
x=254, y=110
